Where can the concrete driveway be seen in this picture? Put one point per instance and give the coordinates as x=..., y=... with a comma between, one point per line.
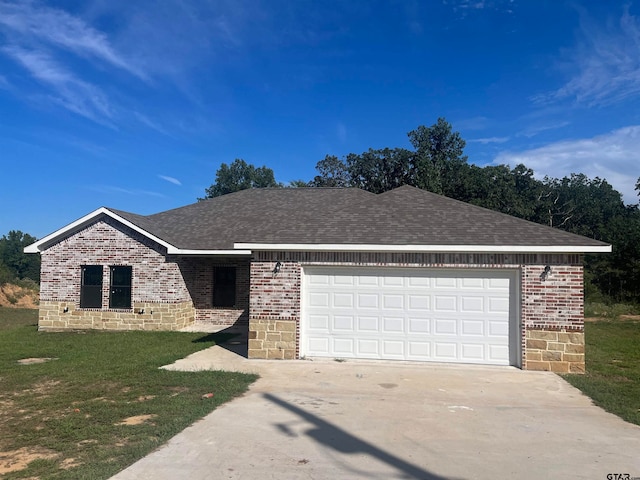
x=325, y=419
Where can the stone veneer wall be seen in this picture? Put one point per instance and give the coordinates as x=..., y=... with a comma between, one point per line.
x=157, y=283
x=155, y=316
x=551, y=307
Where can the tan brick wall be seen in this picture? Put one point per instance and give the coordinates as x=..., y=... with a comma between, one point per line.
x=555, y=350
x=154, y=316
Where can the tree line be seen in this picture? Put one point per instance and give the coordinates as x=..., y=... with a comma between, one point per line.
x=436, y=162
x=15, y=265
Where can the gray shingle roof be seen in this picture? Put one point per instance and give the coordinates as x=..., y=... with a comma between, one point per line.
x=404, y=216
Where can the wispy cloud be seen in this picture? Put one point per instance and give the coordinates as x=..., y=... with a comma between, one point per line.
x=110, y=189
x=4, y=83
x=69, y=91
x=33, y=23
x=605, y=63
x=612, y=156
x=341, y=131
x=175, y=181
x=535, y=129
x=485, y=141
x=473, y=123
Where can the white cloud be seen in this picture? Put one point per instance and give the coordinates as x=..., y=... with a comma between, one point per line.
x=31, y=23
x=612, y=156
x=110, y=189
x=70, y=92
x=487, y=140
x=535, y=129
x=175, y=181
x=605, y=63
x=341, y=131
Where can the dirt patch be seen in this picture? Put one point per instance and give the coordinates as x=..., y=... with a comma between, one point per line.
x=137, y=420
x=31, y=361
x=16, y=460
x=18, y=297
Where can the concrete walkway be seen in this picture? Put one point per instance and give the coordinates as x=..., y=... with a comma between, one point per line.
x=325, y=419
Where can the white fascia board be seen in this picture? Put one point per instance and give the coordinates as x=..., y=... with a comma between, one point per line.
x=426, y=248
x=37, y=246
x=179, y=251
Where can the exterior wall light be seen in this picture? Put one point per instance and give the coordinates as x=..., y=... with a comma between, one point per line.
x=277, y=268
x=545, y=273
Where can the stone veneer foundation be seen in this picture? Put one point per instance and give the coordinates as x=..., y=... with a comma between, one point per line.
x=156, y=316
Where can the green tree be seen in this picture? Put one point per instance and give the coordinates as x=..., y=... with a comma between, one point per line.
x=18, y=264
x=378, y=171
x=332, y=172
x=438, y=157
x=239, y=176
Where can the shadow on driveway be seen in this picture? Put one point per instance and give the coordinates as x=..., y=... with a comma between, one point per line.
x=334, y=437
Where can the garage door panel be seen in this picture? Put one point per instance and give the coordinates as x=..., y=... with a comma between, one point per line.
x=344, y=346
x=392, y=302
x=393, y=324
x=418, y=350
x=368, y=348
x=445, y=326
x=319, y=300
x=368, y=324
x=419, y=302
x=368, y=300
x=472, y=327
x=393, y=348
x=472, y=352
x=411, y=314
x=419, y=325
x=445, y=303
x=342, y=323
x=445, y=351
x=471, y=304
x=343, y=300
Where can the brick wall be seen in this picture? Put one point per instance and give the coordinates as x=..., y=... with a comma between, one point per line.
x=550, y=304
x=198, y=274
x=157, y=280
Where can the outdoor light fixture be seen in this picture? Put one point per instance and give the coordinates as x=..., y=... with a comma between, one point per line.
x=141, y=311
x=277, y=268
x=545, y=273
x=65, y=309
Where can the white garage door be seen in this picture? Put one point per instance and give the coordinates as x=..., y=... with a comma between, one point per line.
x=454, y=315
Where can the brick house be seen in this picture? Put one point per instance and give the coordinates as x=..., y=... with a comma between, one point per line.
x=342, y=273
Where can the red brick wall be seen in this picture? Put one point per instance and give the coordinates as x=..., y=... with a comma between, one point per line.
x=108, y=243
x=157, y=278
x=552, y=303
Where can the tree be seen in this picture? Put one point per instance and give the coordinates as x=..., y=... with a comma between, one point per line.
x=18, y=264
x=240, y=176
x=438, y=157
x=332, y=172
x=378, y=171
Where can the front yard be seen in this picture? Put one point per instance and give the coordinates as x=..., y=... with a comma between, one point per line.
x=86, y=405
x=613, y=367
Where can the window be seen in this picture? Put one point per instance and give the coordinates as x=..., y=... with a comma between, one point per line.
x=224, y=287
x=91, y=286
x=120, y=291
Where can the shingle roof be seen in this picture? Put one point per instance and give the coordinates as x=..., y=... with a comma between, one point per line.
x=344, y=216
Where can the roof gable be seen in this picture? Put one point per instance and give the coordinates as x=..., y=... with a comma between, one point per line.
x=403, y=219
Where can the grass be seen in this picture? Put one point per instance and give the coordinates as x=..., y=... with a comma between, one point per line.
x=610, y=310
x=613, y=367
x=70, y=413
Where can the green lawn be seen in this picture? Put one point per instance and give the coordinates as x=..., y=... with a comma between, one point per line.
x=613, y=367
x=101, y=403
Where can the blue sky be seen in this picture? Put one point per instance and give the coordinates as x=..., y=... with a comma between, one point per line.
x=134, y=105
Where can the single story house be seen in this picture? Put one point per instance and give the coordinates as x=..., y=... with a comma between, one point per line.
x=329, y=272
